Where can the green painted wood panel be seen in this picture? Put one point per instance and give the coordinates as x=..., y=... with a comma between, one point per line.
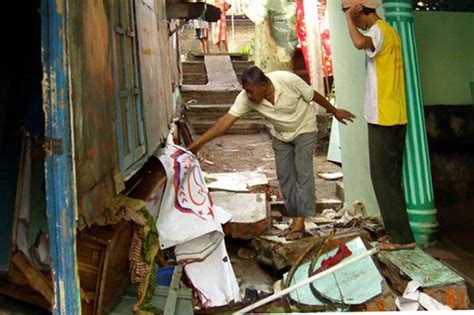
x=420, y=266
x=352, y=285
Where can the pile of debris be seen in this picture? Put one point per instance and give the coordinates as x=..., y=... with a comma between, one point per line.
x=335, y=267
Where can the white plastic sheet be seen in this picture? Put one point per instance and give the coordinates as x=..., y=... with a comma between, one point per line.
x=186, y=210
x=214, y=279
x=190, y=221
x=414, y=300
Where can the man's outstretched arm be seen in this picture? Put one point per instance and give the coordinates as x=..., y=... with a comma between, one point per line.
x=221, y=125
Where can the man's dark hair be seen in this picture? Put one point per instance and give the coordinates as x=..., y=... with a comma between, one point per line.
x=367, y=11
x=253, y=75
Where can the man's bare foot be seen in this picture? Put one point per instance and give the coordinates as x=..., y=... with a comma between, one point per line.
x=297, y=226
x=295, y=235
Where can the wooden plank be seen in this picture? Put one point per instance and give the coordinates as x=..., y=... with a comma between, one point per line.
x=94, y=109
x=184, y=304
x=23, y=294
x=155, y=80
x=170, y=306
x=36, y=279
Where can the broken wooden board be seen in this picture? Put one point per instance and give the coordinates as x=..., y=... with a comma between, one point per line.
x=279, y=253
x=37, y=280
x=437, y=280
x=238, y=181
x=183, y=303
x=249, y=212
x=355, y=284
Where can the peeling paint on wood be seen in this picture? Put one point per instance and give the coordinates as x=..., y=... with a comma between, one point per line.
x=60, y=196
x=420, y=266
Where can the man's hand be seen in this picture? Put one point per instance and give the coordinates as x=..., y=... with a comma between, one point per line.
x=343, y=115
x=354, y=11
x=194, y=148
x=221, y=125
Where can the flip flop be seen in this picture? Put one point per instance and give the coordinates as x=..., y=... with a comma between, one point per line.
x=387, y=246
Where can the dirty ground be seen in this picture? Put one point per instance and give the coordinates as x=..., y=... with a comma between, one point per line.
x=253, y=152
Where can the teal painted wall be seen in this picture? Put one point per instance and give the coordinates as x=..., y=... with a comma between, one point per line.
x=349, y=78
x=445, y=43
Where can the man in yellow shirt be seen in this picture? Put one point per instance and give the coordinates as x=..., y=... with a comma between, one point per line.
x=386, y=115
x=283, y=98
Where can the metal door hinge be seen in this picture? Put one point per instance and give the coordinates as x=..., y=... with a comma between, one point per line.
x=53, y=146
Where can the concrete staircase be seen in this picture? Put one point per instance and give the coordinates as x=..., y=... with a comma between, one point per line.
x=210, y=88
x=202, y=117
x=194, y=72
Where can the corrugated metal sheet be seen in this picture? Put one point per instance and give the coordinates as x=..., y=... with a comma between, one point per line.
x=154, y=69
x=93, y=103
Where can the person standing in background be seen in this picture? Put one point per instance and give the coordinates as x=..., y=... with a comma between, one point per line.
x=202, y=30
x=386, y=115
x=219, y=29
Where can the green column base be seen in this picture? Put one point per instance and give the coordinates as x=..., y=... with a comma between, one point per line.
x=423, y=225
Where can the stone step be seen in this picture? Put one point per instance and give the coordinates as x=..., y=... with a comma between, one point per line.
x=194, y=78
x=240, y=66
x=209, y=96
x=194, y=67
x=214, y=111
x=239, y=127
x=233, y=56
x=340, y=190
x=321, y=204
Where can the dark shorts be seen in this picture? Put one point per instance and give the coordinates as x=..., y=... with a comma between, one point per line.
x=201, y=33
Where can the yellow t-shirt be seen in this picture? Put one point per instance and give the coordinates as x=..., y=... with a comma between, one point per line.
x=291, y=115
x=385, y=102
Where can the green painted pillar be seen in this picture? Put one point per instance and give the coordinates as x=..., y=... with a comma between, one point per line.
x=417, y=180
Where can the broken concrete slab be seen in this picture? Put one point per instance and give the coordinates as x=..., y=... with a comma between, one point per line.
x=437, y=279
x=250, y=217
x=221, y=72
x=279, y=253
x=244, y=207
